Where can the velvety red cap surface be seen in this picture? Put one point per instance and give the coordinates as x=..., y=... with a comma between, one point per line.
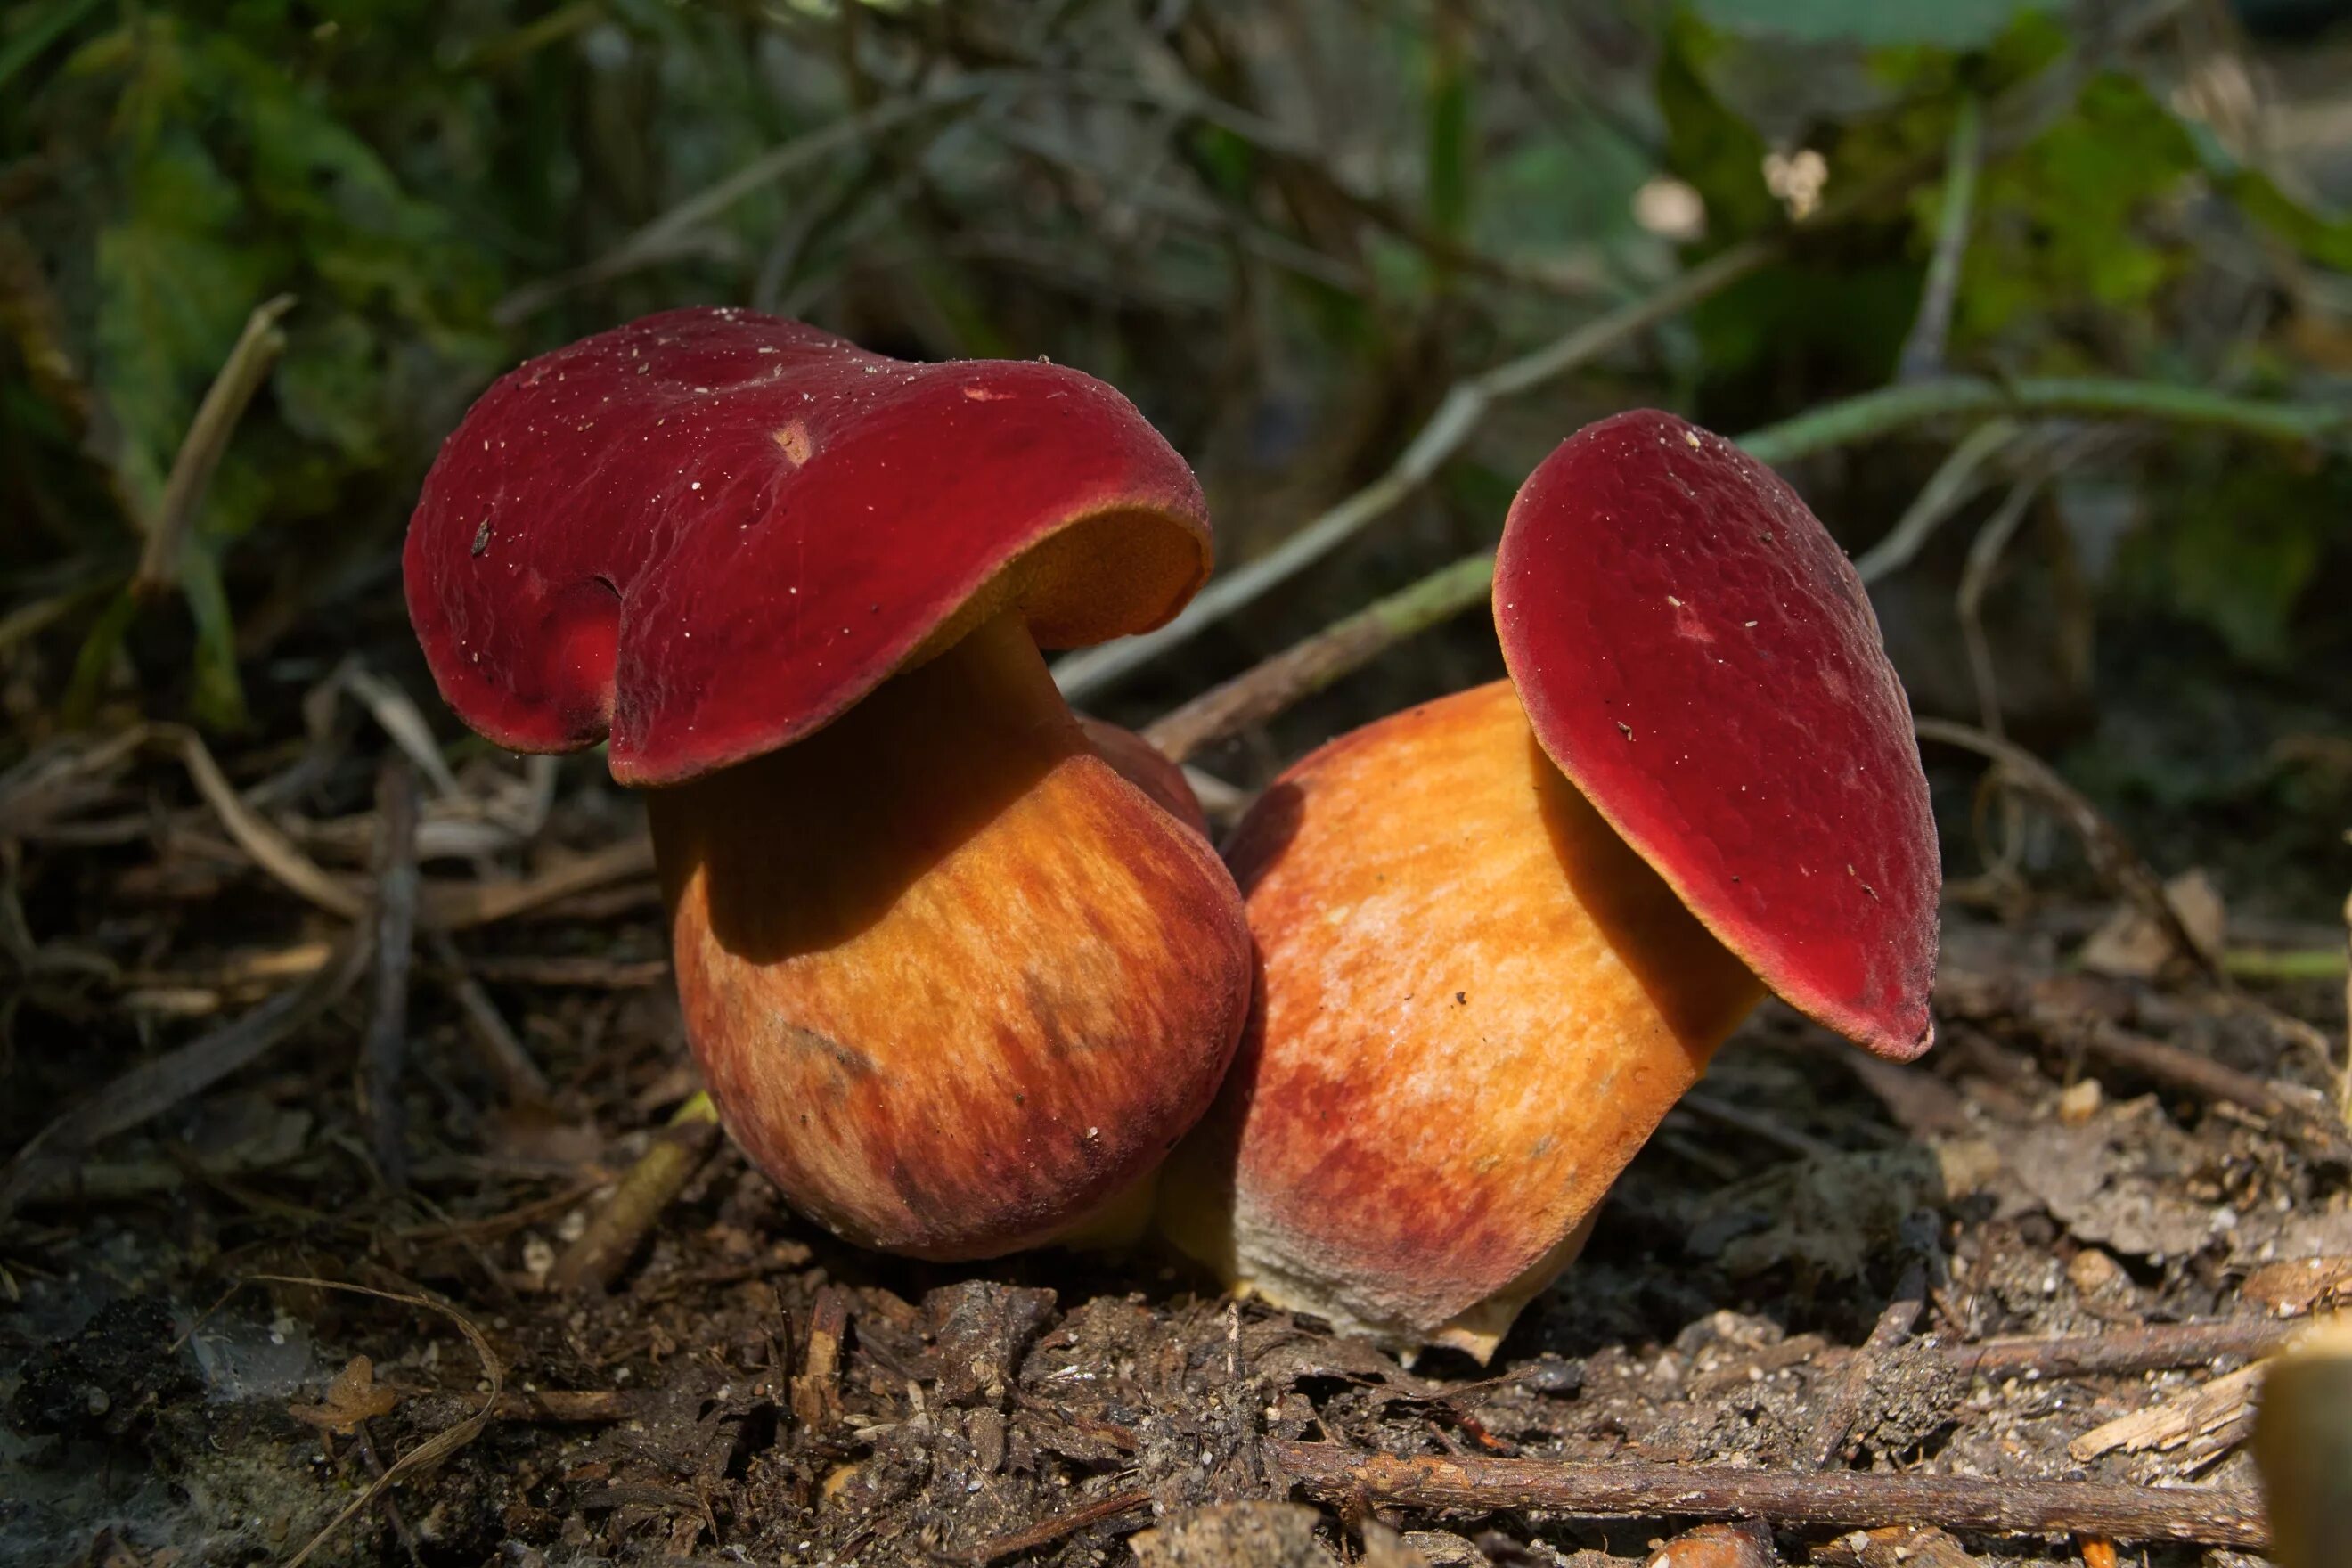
x=1699, y=657
x=707, y=532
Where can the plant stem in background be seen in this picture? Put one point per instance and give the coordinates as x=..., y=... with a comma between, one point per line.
x=1316, y=662
x=2016, y=116
x=1081, y=675
x=1923, y=348
x=1307, y=666
x=1948, y=489
x=1890, y=408
x=385, y=1045
x=257, y=347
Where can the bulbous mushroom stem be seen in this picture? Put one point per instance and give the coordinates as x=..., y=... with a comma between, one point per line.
x=956, y=983
x=1475, y=1002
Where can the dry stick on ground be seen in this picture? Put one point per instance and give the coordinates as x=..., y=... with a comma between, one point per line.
x=563, y=1406
x=1832, y=1428
x=816, y=1390
x=519, y=1075
x=386, y=1042
x=1842, y=1499
x=155, y=1087
x=615, y=1230
x=1047, y=1531
x=269, y=847
x=457, y=906
x=583, y=971
x=2151, y=1347
x=58, y=778
x=441, y=905
x=2199, y=1075
x=257, y=347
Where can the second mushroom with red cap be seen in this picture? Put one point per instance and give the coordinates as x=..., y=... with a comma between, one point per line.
x=1502, y=932
x=956, y=983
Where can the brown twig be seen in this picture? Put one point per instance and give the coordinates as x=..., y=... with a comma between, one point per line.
x=386, y=1042
x=2150, y=1347
x=519, y=1075
x=2200, y=1074
x=616, y=1230
x=269, y=847
x=155, y=1087
x=1047, y=1531
x=457, y=906
x=257, y=347
x=583, y=1406
x=815, y=1390
x=583, y=971
x=1844, y=1499
x=377, y=1468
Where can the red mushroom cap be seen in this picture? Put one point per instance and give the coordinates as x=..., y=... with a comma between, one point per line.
x=709, y=532
x=1699, y=658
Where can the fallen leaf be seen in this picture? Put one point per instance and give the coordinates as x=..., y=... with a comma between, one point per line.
x=354, y=1397
x=2131, y=946
x=2295, y=1285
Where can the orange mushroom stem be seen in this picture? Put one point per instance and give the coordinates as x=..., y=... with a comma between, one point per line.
x=956, y=983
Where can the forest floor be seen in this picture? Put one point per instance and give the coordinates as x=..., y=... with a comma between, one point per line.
x=2094, y=1203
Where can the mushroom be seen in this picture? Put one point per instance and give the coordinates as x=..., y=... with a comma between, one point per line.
x=1500, y=933
x=2302, y=1445
x=956, y=983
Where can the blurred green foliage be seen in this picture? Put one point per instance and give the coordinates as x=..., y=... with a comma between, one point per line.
x=1282, y=229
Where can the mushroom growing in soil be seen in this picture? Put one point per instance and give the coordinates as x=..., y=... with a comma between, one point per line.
x=1501, y=933
x=956, y=983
